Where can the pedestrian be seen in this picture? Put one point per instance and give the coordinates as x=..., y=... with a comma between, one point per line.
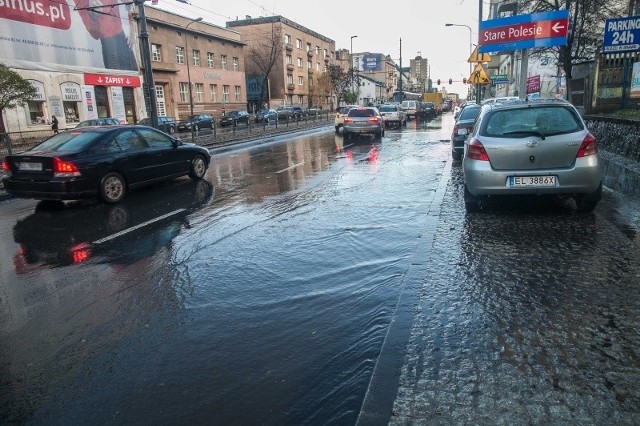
x=54, y=124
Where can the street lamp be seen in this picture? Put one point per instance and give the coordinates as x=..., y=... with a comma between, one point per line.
x=186, y=48
x=351, y=58
x=470, y=42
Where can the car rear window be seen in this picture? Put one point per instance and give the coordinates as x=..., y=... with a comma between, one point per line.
x=547, y=121
x=388, y=108
x=357, y=112
x=469, y=113
x=68, y=141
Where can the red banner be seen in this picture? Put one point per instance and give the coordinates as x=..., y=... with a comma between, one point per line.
x=111, y=80
x=43, y=13
x=525, y=31
x=533, y=84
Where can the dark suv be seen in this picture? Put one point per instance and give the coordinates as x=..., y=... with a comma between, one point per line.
x=291, y=113
x=233, y=118
x=166, y=124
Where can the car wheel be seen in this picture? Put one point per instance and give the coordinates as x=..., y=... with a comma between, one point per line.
x=112, y=188
x=471, y=202
x=198, y=167
x=456, y=155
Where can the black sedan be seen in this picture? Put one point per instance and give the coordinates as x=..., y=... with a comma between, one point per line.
x=102, y=162
x=233, y=118
x=200, y=121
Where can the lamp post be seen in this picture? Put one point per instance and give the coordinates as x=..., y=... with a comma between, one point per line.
x=470, y=42
x=351, y=59
x=186, y=48
x=149, y=88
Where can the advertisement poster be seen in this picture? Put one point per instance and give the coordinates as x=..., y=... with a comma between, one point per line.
x=372, y=62
x=117, y=99
x=635, y=81
x=83, y=33
x=89, y=104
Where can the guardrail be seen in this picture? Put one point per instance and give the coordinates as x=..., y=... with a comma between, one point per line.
x=13, y=142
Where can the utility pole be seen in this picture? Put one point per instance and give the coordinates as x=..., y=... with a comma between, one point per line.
x=400, y=82
x=149, y=88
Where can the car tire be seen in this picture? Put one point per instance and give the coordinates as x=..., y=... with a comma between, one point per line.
x=113, y=188
x=471, y=202
x=586, y=203
x=198, y=167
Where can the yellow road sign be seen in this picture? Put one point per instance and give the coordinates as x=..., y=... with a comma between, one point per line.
x=478, y=57
x=479, y=75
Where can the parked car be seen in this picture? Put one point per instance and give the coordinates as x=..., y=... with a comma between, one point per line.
x=104, y=162
x=312, y=112
x=462, y=128
x=291, y=113
x=499, y=99
x=233, y=118
x=200, y=121
x=341, y=113
x=427, y=111
x=392, y=115
x=411, y=109
x=362, y=121
x=104, y=121
x=166, y=124
x=266, y=115
x=531, y=148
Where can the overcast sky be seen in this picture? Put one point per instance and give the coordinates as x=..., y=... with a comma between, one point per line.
x=419, y=23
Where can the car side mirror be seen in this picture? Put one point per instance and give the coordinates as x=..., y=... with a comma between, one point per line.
x=176, y=142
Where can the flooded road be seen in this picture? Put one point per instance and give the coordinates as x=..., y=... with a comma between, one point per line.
x=309, y=282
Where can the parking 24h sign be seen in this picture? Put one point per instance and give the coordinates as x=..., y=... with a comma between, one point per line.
x=621, y=35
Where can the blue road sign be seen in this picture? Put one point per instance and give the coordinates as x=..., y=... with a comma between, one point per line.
x=545, y=29
x=621, y=35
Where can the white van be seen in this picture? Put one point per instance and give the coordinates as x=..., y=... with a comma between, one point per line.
x=410, y=109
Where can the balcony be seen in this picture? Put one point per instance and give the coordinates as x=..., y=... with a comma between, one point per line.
x=291, y=86
x=289, y=67
x=310, y=53
x=288, y=46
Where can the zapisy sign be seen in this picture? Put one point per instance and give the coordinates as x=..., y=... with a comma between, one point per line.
x=621, y=35
x=543, y=29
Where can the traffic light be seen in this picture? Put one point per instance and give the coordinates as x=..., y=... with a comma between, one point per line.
x=438, y=82
x=450, y=80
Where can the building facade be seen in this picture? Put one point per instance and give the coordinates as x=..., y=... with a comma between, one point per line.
x=81, y=62
x=303, y=57
x=191, y=53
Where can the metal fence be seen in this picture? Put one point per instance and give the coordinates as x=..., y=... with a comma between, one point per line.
x=14, y=142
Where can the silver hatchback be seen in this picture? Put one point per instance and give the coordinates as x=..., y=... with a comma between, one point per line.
x=532, y=148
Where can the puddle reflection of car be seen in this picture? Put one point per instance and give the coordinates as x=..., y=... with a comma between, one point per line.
x=59, y=233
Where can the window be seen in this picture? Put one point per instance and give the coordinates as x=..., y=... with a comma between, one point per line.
x=236, y=64
x=155, y=139
x=225, y=93
x=196, y=57
x=210, y=60
x=155, y=53
x=324, y=53
x=309, y=65
x=298, y=43
x=308, y=47
x=184, y=91
x=300, y=81
x=180, y=55
x=199, y=92
x=36, y=112
x=223, y=62
x=287, y=39
x=238, y=93
x=289, y=79
x=213, y=92
x=299, y=62
x=300, y=99
x=289, y=60
x=317, y=66
x=130, y=141
x=317, y=50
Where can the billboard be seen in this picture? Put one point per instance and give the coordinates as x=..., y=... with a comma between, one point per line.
x=68, y=33
x=621, y=35
x=372, y=62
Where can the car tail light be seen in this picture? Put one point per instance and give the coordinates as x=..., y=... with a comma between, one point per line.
x=348, y=120
x=80, y=252
x=5, y=165
x=373, y=119
x=588, y=147
x=64, y=168
x=476, y=151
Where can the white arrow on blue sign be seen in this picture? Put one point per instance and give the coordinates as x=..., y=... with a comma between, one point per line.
x=621, y=35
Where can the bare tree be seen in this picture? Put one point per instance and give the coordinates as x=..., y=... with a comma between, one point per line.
x=264, y=54
x=586, y=22
x=14, y=90
x=341, y=81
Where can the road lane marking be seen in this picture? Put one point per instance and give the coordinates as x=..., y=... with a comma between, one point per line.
x=138, y=226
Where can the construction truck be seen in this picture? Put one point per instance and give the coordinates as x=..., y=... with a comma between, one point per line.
x=436, y=98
